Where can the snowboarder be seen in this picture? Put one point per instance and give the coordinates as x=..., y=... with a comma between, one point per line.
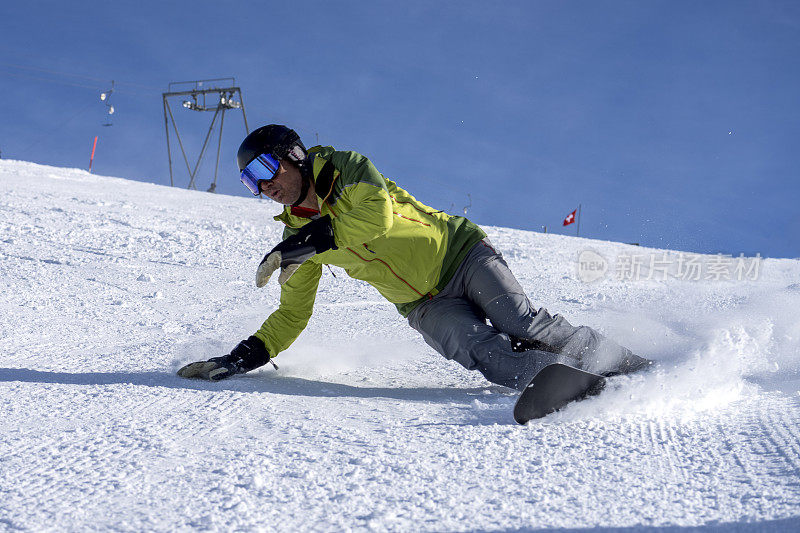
x=440, y=270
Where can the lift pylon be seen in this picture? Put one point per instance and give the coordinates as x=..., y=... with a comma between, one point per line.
x=196, y=98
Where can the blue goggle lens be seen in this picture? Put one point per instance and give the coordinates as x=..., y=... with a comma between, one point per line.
x=262, y=167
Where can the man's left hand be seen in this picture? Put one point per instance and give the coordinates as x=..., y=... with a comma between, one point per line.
x=313, y=238
x=247, y=355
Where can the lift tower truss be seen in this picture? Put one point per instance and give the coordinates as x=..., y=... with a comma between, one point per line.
x=202, y=95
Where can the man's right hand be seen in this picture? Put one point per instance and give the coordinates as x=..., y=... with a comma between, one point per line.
x=247, y=355
x=313, y=238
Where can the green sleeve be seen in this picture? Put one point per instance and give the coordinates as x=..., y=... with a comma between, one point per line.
x=286, y=323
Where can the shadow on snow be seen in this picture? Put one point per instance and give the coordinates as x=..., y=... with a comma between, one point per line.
x=258, y=383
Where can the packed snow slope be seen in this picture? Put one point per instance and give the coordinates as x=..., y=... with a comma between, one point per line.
x=108, y=286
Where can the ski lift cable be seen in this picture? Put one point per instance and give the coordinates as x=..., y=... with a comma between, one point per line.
x=61, y=125
x=48, y=71
x=126, y=92
x=79, y=76
x=30, y=77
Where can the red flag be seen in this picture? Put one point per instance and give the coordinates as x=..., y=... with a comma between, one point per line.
x=570, y=218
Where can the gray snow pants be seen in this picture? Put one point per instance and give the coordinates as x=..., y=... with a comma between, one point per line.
x=520, y=341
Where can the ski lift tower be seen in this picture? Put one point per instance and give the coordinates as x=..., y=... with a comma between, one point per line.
x=202, y=95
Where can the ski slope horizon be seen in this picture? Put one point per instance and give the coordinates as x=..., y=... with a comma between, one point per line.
x=110, y=285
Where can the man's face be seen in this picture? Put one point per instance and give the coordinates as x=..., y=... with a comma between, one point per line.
x=285, y=187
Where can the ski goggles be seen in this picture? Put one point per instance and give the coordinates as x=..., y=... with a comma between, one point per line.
x=263, y=167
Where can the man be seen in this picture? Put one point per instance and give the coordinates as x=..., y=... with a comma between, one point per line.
x=439, y=270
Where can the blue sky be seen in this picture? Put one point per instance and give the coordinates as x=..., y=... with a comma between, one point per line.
x=675, y=124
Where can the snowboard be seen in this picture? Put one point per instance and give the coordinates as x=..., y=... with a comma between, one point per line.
x=554, y=387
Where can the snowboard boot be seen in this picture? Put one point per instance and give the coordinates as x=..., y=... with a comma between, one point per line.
x=629, y=364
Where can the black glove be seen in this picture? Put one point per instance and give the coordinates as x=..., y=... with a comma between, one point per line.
x=246, y=356
x=313, y=238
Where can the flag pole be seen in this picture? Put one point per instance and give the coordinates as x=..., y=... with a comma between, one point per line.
x=578, y=232
x=91, y=159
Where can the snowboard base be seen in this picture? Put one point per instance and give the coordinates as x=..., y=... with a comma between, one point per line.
x=554, y=387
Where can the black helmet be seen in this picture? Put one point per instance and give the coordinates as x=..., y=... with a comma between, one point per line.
x=275, y=139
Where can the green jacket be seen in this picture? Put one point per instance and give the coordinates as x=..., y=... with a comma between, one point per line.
x=406, y=250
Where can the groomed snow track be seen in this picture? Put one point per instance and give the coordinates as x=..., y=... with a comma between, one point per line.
x=109, y=285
